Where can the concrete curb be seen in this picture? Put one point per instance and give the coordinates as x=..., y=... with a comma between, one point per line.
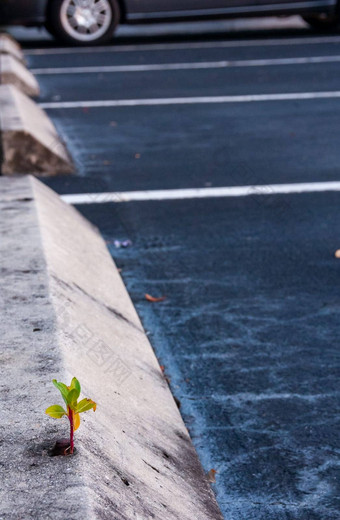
x=68, y=313
x=30, y=143
x=13, y=72
x=9, y=46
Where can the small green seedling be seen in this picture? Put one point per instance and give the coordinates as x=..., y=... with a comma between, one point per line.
x=70, y=395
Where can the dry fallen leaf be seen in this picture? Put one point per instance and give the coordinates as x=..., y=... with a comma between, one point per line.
x=153, y=299
x=211, y=475
x=337, y=253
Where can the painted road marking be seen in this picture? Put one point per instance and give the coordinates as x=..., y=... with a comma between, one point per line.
x=189, y=45
x=188, y=66
x=191, y=100
x=201, y=193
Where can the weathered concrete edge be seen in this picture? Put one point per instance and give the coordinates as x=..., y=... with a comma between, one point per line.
x=8, y=45
x=29, y=140
x=14, y=72
x=136, y=461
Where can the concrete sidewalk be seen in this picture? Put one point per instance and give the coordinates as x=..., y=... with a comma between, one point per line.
x=66, y=313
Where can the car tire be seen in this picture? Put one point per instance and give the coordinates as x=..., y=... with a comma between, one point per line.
x=322, y=22
x=83, y=25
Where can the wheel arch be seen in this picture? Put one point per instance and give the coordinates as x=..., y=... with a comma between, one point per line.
x=123, y=13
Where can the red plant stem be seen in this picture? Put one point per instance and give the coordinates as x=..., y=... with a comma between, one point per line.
x=71, y=419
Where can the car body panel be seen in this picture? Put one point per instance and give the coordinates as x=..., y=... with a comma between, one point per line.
x=24, y=12
x=230, y=9
x=200, y=7
x=188, y=8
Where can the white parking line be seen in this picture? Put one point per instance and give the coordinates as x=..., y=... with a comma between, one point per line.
x=201, y=193
x=191, y=100
x=189, y=45
x=188, y=66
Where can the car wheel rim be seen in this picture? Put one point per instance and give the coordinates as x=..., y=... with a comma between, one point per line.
x=86, y=20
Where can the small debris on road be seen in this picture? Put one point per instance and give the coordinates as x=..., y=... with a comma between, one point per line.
x=211, y=475
x=167, y=378
x=154, y=299
x=178, y=402
x=122, y=243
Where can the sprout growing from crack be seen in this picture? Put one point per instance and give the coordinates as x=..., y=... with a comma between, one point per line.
x=70, y=394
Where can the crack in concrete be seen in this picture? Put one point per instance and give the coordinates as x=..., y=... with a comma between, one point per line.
x=116, y=313
x=113, y=311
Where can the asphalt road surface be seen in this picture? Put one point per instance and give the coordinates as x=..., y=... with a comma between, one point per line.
x=249, y=330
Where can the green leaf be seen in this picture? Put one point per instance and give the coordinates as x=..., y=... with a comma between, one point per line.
x=75, y=385
x=62, y=389
x=84, y=405
x=56, y=411
x=72, y=398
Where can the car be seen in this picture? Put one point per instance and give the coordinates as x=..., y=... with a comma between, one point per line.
x=85, y=22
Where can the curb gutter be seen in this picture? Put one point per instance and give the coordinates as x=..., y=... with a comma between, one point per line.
x=67, y=314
